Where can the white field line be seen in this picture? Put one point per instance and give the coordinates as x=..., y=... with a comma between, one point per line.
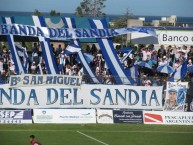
x=91, y=137
x=113, y=131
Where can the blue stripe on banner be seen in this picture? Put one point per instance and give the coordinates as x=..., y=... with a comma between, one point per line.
x=46, y=48
x=19, y=68
x=22, y=52
x=180, y=73
x=12, y=19
x=24, y=66
x=45, y=57
x=52, y=58
x=133, y=73
x=110, y=55
x=42, y=21
x=70, y=23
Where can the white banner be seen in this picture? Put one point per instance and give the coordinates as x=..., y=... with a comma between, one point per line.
x=64, y=116
x=37, y=80
x=175, y=37
x=68, y=33
x=168, y=37
x=88, y=96
x=15, y=117
x=173, y=118
x=104, y=116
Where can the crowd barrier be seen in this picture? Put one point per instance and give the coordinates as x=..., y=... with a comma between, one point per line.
x=93, y=116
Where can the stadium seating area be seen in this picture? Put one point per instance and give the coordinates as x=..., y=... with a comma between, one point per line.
x=146, y=75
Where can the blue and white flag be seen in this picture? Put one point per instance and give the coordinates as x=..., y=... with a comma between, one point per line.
x=70, y=23
x=19, y=68
x=72, y=49
x=165, y=69
x=133, y=72
x=40, y=71
x=47, y=51
x=146, y=30
x=22, y=52
x=179, y=73
x=125, y=57
x=110, y=55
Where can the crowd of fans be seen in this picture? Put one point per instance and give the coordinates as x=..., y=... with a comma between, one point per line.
x=172, y=56
x=69, y=64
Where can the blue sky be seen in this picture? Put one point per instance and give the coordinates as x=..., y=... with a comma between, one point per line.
x=137, y=7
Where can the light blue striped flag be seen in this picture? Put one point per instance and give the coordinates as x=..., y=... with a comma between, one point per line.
x=125, y=57
x=72, y=49
x=179, y=73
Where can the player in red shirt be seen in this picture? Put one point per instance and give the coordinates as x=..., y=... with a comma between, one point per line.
x=32, y=140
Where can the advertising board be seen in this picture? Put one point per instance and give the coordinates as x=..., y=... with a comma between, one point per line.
x=15, y=116
x=131, y=117
x=64, y=116
x=171, y=118
x=104, y=116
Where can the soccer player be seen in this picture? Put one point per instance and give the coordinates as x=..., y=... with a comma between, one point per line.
x=32, y=140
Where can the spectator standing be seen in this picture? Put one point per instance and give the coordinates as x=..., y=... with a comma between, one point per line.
x=190, y=53
x=161, y=51
x=58, y=50
x=35, y=52
x=145, y=53
x=33, y=68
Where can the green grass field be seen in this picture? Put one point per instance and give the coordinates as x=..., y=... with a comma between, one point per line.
x=97, y=134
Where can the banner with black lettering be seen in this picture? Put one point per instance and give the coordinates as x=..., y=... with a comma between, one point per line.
x=87, y=96
x=169, y=36
x=175, y=37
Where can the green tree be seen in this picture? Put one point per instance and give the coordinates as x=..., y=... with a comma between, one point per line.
x=165, y=24
x=37, y=13
x=54, y=13
x=90, y=8
x=121, y=22
x=148, y=24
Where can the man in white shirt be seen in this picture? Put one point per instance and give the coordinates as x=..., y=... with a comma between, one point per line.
x=146, y=53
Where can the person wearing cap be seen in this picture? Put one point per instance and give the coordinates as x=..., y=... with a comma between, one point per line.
x=171, y=102
x=33, y=141
x=145, y=53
